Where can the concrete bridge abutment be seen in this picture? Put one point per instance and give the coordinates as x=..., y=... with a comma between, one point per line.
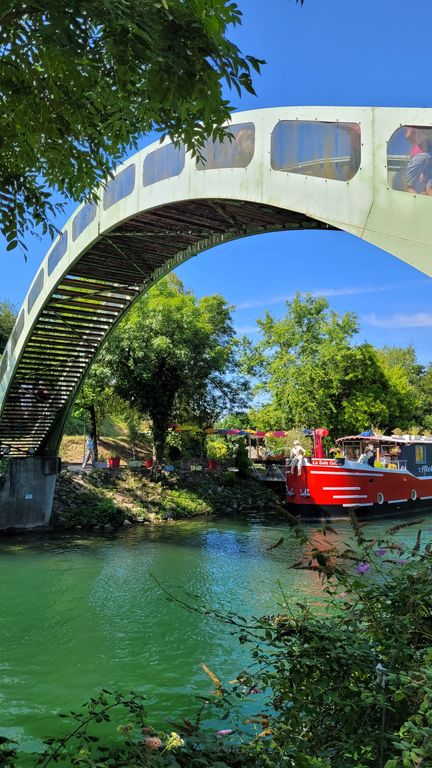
x=26, y=491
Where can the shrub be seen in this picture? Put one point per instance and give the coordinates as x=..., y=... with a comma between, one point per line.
x=217, y=448
x=241, y=459
x=89, y=511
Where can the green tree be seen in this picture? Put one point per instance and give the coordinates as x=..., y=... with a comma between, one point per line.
x=405, y=376
x=424, y=398
x=169, y=349
x=81, y=81
x=7, y=322
x=314, y=373
x=96, y=399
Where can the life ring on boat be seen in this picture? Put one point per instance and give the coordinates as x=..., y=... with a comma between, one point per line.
x=380, y=498
x=413, y=494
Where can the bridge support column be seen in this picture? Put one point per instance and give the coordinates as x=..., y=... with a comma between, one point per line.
x=26, y=491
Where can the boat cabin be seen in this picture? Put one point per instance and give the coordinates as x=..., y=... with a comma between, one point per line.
x=411, y=452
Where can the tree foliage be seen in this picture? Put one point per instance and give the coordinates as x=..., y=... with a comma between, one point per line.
x=81, y=81
x=95, y=399
x=170, y=352
x=7, y=322
x=317, y=376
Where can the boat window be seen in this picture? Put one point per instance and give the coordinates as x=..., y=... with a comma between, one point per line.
x=352, y=450
x=409, y=160
x=234, y=152
x=313, y=148
x=420, y=454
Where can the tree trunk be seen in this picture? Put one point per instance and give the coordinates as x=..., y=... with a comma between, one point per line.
x=204, y=446
x=159, y=431
x=93, y=429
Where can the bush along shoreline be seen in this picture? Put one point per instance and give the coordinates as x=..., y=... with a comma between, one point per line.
x=111, y=499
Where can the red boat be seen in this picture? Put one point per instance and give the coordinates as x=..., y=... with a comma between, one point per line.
x=374, y=475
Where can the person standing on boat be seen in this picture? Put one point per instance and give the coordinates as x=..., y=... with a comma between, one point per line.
x=370, y=455
x=296, y=457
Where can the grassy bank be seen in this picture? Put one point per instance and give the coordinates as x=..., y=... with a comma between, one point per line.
x=72, y=449
x=114, y=497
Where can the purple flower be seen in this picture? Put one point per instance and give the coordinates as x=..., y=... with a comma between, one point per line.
x=381, y=551
x=362, y=568
x=402, y=562
x=224, y=732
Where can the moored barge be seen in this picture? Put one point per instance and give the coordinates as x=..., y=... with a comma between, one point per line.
x=374, y=475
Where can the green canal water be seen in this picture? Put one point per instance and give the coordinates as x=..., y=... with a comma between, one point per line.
x=80, y=613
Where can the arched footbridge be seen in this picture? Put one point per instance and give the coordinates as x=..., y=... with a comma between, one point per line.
x=361, y=170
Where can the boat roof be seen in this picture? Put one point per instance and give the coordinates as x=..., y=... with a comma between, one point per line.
x=397, y=439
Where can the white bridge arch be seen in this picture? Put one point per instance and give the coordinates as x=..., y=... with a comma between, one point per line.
x=286, y=168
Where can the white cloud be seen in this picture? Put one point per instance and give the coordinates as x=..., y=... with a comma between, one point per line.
x=357, y=290
x=246, y=330
x=263, y=302
x=399, y=320
x=353, y=291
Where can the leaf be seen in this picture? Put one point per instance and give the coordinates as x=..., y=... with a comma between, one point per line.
x=212, y=677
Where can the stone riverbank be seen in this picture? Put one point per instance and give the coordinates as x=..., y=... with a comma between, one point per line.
x=113, y=498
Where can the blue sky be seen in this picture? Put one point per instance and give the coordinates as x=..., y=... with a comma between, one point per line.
x=330, y=52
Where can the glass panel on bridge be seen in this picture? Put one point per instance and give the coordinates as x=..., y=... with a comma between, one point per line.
x=83, y=218
x=231, y=153
x=57, y=252
x=16, y=333
x=119, y=187
x=3, y=364
x=409, y=160
x=163, y=163
x=313, y=148
x=35, y=290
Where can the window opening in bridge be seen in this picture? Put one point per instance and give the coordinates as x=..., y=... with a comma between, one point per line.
x=163, y=163
x=57, y=253
x=16, y=333
x=409, y=160
x=313, y=148
x=119, y=187
x=83, y=219
x=231, y=153
x=3, y=364
x=35, y=290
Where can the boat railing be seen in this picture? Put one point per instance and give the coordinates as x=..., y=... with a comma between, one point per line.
x=393, y=463
x=269, y=473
